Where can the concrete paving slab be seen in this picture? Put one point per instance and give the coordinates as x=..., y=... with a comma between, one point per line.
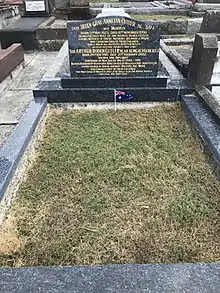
x=13, y=104
x=29, y=56
x=216, y=92
x=5, y=131
x=59, y=23
x=15, y=101
x=5, y=84
x=216, y=71
x=34, y=71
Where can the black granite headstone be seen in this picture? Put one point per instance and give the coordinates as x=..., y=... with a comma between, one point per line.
x=111, y=48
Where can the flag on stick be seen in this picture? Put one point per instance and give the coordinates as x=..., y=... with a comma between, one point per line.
x=120, y=96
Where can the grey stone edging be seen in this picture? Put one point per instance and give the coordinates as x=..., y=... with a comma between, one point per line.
x=151, y=278
x=204, y=122
x=15, y=146
x=176, y=58
x=210, y=100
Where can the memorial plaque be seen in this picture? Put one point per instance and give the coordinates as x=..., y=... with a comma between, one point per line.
x=113, y=47
x=36, y=7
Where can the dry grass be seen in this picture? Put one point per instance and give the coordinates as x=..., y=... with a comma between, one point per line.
x=131, y=186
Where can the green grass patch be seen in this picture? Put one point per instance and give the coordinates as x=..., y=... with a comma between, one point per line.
x=131, y=186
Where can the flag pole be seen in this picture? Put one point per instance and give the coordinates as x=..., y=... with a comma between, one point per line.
x=115, y=99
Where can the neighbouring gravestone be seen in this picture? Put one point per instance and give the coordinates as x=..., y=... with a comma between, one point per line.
x=79, y=9
x=9, y=59
x=203, y=59
x=36, y=7
x=113, y=51
x=209, y=1
x=211, y=22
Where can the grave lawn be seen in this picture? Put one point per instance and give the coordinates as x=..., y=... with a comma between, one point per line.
x=131, y=186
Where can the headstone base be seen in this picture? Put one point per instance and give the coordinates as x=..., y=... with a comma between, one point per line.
x=55, y=93
x=117, y=82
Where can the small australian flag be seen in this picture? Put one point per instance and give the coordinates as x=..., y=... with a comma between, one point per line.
x=123, y=96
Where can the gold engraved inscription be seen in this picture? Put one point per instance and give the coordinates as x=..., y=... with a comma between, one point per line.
x=113, y=50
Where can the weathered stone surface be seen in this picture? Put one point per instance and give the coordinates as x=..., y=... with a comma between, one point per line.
x=13, y=104
x=180, y=62
x=61, y=4
x=211, y=100
x=162, y=25
x=203, y=58
x=206, y=6
x=177, y=27
x=5, y=131
x=193, y=13
x=33, y=73
x=8, y=15
x=211, y=22
x=79, y=3
x=50, y=45
x=194, y=25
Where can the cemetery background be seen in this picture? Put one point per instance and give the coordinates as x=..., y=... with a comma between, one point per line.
x=26, y=119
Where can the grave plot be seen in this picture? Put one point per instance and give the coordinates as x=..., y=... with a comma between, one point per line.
x=106, y=175
x=125, y=186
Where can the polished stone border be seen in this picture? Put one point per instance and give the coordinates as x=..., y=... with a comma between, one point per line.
x=151, y=278
x=15, y=146
x=205, y=123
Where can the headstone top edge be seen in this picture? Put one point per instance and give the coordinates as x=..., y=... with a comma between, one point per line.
x=151, y=22
x=207, y=35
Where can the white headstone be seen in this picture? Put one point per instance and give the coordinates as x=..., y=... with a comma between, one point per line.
x=35, y=6
x=113, y=12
